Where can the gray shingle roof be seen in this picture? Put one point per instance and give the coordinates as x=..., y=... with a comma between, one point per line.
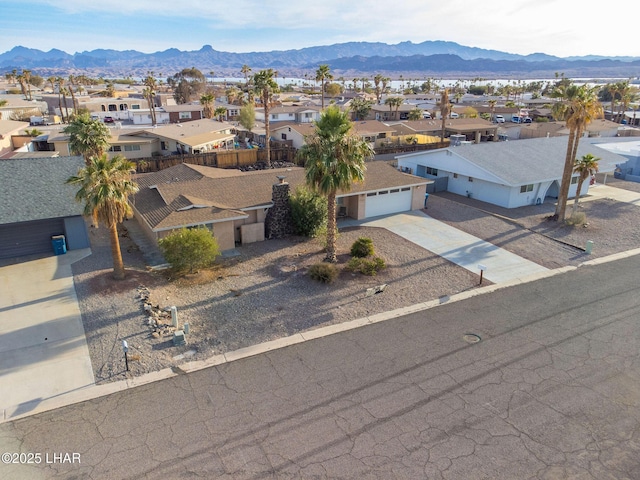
x=35, y=189
x=522, y=162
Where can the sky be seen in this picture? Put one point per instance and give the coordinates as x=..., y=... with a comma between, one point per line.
x=555, y=27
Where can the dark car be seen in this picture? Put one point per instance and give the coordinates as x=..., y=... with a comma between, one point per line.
x=108, y=120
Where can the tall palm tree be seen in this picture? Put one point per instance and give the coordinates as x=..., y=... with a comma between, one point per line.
x=207, y=101
x=322, y=75
x=87, y=137
x=578, y=106
x=585, y=167
x=105, y=185
x=394, y=102
x=149, y=93
x=72, y=81
x=265, y=86
x=334, y=159
x=245, y=70
x=445, y=110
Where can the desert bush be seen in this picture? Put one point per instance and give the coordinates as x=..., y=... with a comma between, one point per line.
x=308, y=211
x=188, y=249
x=323, y=272
x=362, y=247
x=576, y=219
x=367, y=266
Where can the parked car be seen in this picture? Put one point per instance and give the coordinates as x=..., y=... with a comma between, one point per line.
x=516, y=119
x=526, y=120
x=453, y=115
x=109, y=120
x=499, y=119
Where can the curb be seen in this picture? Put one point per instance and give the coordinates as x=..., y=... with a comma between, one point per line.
x=96, y=391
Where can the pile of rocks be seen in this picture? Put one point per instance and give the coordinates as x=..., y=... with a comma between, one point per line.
x=158, y=319
x=263, y=166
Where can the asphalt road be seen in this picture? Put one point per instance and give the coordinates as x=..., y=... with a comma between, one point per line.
x=551, y=391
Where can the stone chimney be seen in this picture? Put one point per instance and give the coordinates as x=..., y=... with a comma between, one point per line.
x=278, y=222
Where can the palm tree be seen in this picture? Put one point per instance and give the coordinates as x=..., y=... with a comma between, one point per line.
x=73, y=95
x=394, y=102
x=334, y=159
x=445, y=110
x=492, y=106
x=220, y=112
x=265, y=86
x=207, y=101
x=87, y=137
x=585, y=167
x=578, y=107
x=613, y=89
x=245, y=70
x=105, y=185
x=149, y=93
x=322, y=75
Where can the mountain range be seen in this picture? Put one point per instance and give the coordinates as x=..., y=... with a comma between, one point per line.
x=430, y=58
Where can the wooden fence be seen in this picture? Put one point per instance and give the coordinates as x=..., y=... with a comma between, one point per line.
x=221, y=159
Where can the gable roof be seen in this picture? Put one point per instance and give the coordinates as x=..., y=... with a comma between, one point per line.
x=35, y=189
x=522, y=162
x=190, y=195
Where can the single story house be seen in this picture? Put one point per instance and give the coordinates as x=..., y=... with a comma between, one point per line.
x=294, y=114
x=508, y=174
x=36, y=204
x=629, y=149
x=234, y=204
x=9, y=129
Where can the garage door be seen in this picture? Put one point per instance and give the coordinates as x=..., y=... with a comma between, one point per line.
x=386, y=202
x=29, y=238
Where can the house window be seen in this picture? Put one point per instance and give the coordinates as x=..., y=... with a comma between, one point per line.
x=184, y=115
x=395, y=190
x=132, y=148
x=432, y=171
x=373, y=194
x=135, y=107
x=471, y=179
x=526, y=188
x=308, y=115
x=574, y=180
x=115, y=148
x=274, y=116
x=163, y=146
x=283, y=136
x=233, y=113
x=405, y=189
x=383, y=192
x=123, y=106
x=113, y=107
x=455, y=175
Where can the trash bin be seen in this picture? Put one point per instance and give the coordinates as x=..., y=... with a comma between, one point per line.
x=59, y=244
x=426, y=197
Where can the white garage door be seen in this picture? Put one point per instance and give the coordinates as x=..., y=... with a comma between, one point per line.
x=386, y=202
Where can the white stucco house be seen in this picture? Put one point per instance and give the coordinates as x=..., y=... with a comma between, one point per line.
x=508, y=174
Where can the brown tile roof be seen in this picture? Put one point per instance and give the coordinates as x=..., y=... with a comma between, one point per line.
x=178, y=191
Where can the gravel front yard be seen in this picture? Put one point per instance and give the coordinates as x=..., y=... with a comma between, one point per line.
x=264, y=293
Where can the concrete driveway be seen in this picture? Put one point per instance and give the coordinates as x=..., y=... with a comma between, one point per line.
x=457, y=246
x=43, y=349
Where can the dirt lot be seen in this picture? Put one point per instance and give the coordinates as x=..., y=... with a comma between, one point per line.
x=264, y=293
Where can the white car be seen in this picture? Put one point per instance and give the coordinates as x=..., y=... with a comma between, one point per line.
x=499, y=119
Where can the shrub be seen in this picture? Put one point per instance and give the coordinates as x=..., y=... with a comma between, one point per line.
x=367, y=266
x=577, y=218
x=362, y=247
x=308, y=211
x=323, y=272
x=189, y=249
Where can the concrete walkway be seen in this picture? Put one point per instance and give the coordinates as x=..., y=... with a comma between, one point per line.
x=455, y=245
x=599, y=191
x=43, y=349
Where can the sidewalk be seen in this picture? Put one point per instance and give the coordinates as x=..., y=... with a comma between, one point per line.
x=455, y=245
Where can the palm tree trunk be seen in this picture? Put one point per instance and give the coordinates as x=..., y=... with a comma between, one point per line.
x=265, y=100
x=561, y=206
x=331, y=228
x=575, y=202
x=116, y=254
